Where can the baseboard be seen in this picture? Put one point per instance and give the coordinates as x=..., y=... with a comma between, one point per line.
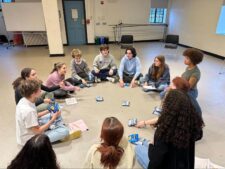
x=153, y=40
x=57, y=55
x=35, y=45
x=42, y=45
x=206, y=52
x=111, y=42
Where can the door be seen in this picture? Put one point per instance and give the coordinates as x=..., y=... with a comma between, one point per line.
x=75, y=27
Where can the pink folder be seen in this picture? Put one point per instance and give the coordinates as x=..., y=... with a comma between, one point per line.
x=78, y=125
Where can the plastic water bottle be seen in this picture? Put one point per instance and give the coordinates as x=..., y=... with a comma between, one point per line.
x=90, y=77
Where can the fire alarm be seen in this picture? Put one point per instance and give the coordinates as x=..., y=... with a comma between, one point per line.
x=102, y=2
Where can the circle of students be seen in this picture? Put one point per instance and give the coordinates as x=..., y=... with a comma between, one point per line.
x=178, y=127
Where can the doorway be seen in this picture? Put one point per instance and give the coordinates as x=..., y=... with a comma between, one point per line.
x=75, y=22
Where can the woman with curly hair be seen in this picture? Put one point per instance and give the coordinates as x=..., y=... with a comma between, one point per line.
x=192, y=57
x=177, y=83
x=37, y=153
x=114, y=151
x=177, y=129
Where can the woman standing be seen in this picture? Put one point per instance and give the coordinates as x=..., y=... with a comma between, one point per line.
x=177, y=129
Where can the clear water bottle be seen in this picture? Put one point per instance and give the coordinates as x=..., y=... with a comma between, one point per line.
x=90, y=77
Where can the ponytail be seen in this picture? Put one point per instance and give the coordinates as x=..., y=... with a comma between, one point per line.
x=110, y=155
x=57, y=66
x=25, y=73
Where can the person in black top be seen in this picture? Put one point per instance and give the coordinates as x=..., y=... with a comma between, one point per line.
x=177, y=129
x=41, y=103
x=37, y=153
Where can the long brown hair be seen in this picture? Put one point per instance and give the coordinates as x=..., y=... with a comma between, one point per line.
x=111, y=134
x=158, y=71
x=179, y=124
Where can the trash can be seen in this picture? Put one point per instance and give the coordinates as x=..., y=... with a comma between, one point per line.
x=99, y=40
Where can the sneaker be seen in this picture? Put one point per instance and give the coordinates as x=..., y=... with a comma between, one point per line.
x=149, y=88
x=111, y=79
x=97, y=80
x=82, y=85
x=89, y=85
x=138, y=83
x=157, y=111
x=73, y=135
x=52, y=126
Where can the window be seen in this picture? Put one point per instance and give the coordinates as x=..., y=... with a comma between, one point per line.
x=157, y=15
x=4, y=1
x=7, y=1
x=221, y=23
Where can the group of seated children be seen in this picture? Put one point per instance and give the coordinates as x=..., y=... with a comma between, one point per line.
x=33, y=116
x=173, y=146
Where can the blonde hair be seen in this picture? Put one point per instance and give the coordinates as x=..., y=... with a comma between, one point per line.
x=76, y=52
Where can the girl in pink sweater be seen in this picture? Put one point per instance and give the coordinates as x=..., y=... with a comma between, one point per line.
x=58, y=75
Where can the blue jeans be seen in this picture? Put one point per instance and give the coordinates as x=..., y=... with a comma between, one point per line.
x=58, y=133
x=104, y=73
x=45, y=119
x=141, y=152
x=193, y=93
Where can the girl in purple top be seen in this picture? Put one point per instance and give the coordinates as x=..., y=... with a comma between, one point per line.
x=58, y=75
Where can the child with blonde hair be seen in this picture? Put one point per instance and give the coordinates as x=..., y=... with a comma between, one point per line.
x=81, y=73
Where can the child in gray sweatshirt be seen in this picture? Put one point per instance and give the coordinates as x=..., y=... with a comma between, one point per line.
x=81, y=74
x=104, y=64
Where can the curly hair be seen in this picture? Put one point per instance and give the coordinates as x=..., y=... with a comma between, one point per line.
x=28, y=87
x=76, y=53
x=179, y=124
x=195, y=55
x=133, y=51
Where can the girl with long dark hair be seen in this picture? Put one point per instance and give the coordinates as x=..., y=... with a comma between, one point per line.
x=37, y=153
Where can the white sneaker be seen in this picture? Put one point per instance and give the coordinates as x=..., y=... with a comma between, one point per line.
x=111, y=79
x=149, y=87
x=97, y=80
x=157, y=111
